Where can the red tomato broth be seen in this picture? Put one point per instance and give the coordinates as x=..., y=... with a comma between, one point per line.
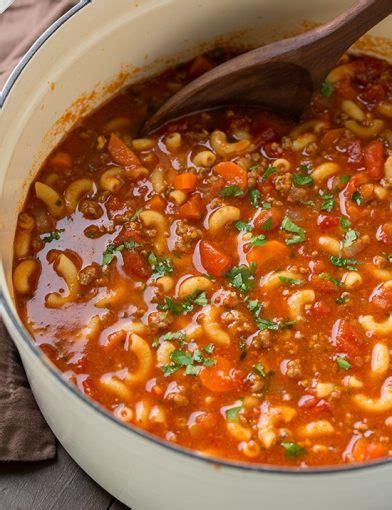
x=214, y=395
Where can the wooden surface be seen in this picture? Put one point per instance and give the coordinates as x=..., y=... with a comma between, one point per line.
x=280, y=76
x=52, y=485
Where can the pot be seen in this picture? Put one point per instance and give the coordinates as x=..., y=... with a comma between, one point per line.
x=85, y=57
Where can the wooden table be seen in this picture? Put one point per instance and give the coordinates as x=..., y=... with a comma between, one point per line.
x=52, y=485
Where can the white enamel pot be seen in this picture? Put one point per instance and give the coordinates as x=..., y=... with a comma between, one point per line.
x=83, y=52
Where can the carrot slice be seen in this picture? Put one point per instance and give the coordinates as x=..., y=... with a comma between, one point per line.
x=121, y=153
x=232, y=173
x=192, y=209
x=157, y=203
x=61, y=160
x=185, y=181
x=374, y=159
x=214, y=260
x=365, y=450
x=217, y=378
x=270, y=250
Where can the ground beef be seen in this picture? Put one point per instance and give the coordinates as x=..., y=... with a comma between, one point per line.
x=262, y=340
x=294, y=369
x=159, y=320
x=187, y=235
x=228, y=298
x=257, y=384
x=237, y=320
x=90, y=209
x=282, y=183
x=177, y=396
x=297, y=195
x=89, y=274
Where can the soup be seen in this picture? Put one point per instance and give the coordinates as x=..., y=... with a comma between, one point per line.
x=226, y=283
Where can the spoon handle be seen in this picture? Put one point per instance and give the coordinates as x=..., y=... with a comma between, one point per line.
x=344, y=30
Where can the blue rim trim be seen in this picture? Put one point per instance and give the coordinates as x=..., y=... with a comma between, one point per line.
x=4, y=305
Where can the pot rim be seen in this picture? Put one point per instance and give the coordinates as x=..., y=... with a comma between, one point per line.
x=21, y=330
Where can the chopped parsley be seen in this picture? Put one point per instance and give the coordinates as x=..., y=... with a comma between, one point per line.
x=258, y=240
x=266, y=205
x=350, y=237
x=184, y=306
x=291, y=281
x=343, y=262
x=160, y=266
x=170, y=336
x=137, y=214
x=326, y=88
x=357, y=198
x=267, y=224
x=242, y=226
x=52, y=236
x=342, y=363
x=232, y=413
x=111, y=249
x=268, y=172
x=328, y=202
x=209, y=348
x=341, y=300
x=255, y=308
x=292, y=450
x=231, y=191
x=255, y=197
x=329, y=277
x=344, y=178
x=344, y=222
x=192, y=362
x=258, y=369
x=242, y=277
x=299, y=233
x=301, y=180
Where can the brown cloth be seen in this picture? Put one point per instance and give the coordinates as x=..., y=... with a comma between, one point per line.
x=24, y=434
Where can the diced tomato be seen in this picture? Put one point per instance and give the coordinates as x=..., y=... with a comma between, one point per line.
x=214, y=260
x=314, y=404
x=134, y=264
x=327, y=220
x=374, y=93
x=268, y=219
x=345, y=88
x=157, y=203
x=268, y=251
x=321, y=283
x=61, y=159
x=384, y=233
x=185, y=181
x=192, y=209
x=218, y=378
x=347, y=339
x=382, y=297
x=374, y=159
x=268, y=134
x=331, y=138
x=121, y=153
x=232, y=173
x=354, y=152
x=365, y=449
x=321, y=309
x=204, y=422
x=114, y=205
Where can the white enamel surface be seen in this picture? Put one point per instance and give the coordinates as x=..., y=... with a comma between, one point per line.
x=86, y=53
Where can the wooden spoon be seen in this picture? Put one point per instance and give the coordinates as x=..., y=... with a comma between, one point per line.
x=280, y=76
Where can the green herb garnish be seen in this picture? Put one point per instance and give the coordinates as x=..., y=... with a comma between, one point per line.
x=350, y=237
x=289, y=226
x=357, y=198
x=258, y=240
x=242, y=277
x=328, y=202
x=291, y=281
x=292, y=450
x=55, y=235
x=160, y=266
x=268, y=172
x=255, y=197
x=342, y=363
x=242, y=226
x=184, y=306
x=326, y=88
x=343, y=262
x=301, y=180
x=111, y=250
x=231, y=191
